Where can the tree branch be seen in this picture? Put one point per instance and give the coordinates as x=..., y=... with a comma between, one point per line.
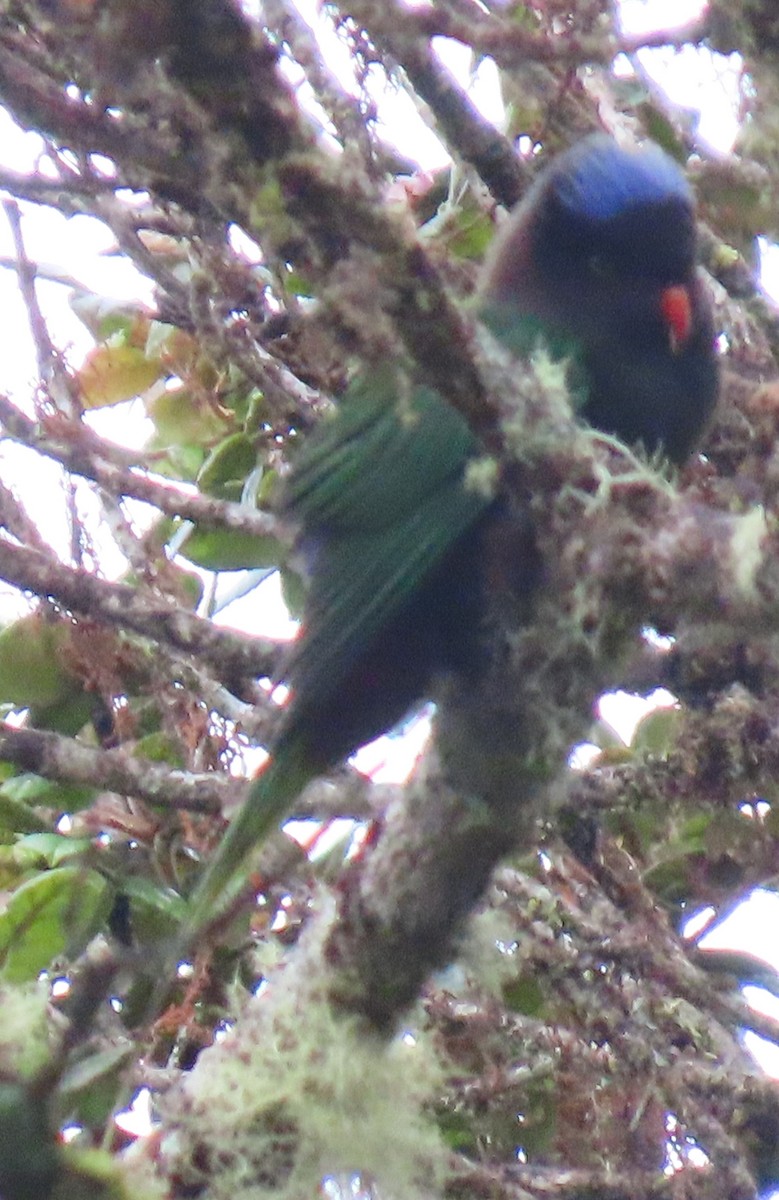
x=230, y=653
x=84, y=453
x=64, y=759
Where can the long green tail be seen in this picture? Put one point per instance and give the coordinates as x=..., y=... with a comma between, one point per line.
x=268, y=799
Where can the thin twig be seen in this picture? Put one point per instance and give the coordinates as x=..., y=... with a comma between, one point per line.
x=51, y=368
x=85, y=456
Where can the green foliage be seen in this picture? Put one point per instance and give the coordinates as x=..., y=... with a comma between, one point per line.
x=91, y=1086
x=159, y=746
x=227, y=464
x=463, y=227
x=54, y=913
x=120, y=366
x=657, y=732
x=114, y=372
x=157, y=911
x=524, y=994
x=32, y=663
x=230, y=550
x=98, y=1175
x=28, y=789
x=18, y=817
x=38, y=851
x=182, y=419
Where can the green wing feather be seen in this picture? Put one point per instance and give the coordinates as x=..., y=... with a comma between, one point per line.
x=385, y=489
x=377, y=458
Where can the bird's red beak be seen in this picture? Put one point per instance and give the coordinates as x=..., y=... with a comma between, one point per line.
x=676, y=307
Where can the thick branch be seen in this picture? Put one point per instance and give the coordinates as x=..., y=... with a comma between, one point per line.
x=230, y=653
x=66, y=760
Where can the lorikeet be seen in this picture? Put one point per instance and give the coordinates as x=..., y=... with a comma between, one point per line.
x=600, y=256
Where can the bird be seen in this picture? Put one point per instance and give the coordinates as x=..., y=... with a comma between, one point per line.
x=600, y=260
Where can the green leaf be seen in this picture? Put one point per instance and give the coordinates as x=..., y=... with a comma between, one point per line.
x=158, y=338
x=231, y=550
x=465, y=229
x=296, y=284
x=45, y=850
x=54, y=914
x=657, y=732
x=91, y=1085
x=16, y=817
x=28, y=789
x=293, y=591
x=176, y=461
x=155, y=912
x=181, y=419
x=524, y=995
x=113, y=372
x=66, y=715
x=456, y=1130
x=639, y=830
x=31, y=662
x=231, y=460
x=662, y=130
x=89, y=1174
x=105, y=316
x=159, y=747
